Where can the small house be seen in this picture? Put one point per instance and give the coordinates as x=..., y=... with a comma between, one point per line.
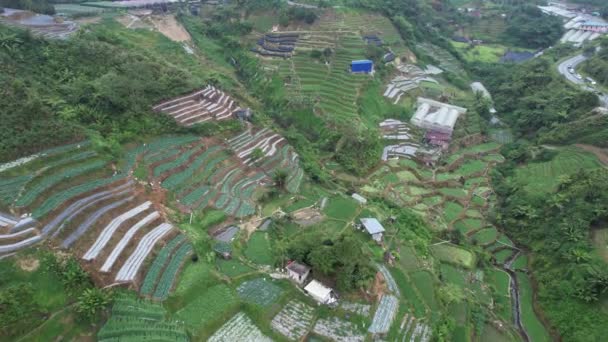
x=388, y=57
x=373, y=227
x=362, y=66
x=321, y=293
x=298, y=272
x=359, y=199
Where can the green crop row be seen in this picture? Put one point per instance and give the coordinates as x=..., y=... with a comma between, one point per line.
x=170, y=273
x=10, y=188
x=157, y=266
x=195, y=195
x=175, y=180
x=183, y=158
x=58, y=198
x=54, y=179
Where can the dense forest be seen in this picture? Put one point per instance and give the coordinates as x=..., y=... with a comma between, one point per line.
x=55, y=92
x=597, y=65
x=557, y=228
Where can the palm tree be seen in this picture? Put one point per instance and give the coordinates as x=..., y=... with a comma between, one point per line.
x=280, y=179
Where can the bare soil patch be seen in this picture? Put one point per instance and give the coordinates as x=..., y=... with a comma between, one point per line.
x=600, y=153
x=170, y=27
x=28, y=264
x=307, y=216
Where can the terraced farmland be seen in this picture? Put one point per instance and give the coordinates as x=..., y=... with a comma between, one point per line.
x=226, y=175
x=134, y=319
x=332, y=89
x=200, y=106
x=96, y=212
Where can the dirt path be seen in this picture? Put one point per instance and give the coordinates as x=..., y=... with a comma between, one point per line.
x=600, y=153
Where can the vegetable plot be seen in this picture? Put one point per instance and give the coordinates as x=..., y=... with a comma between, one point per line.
x=157, y=266
x=239, y=328
x=294, y=320
x=384, y=315
x=166, y=281
x=259, y=291
x=338, y=330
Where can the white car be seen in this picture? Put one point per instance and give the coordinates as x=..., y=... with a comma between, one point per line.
x=590, y=80
x=578, y=76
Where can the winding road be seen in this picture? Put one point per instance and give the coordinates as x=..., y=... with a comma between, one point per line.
x=574, y=62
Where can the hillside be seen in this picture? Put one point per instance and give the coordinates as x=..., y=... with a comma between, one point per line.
x=297, y=171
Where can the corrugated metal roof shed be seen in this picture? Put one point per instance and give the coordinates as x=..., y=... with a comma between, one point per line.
x=372, y=225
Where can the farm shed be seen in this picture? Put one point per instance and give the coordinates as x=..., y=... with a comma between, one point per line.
x=265, y=225
x=320, y=292
x=298, y=272
x=373, y=227
x=362, y=66
x=389, y=57
x=435, y=115
x=359, y=198
x=226, y=234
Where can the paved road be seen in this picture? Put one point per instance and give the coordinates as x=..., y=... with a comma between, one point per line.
x=574, y=62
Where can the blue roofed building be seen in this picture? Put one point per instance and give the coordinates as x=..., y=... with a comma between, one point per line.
x=362, y=66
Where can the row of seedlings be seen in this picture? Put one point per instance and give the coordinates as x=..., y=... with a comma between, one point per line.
x=294, y=320
x=139, y=320
x=200, y=106
x=161, y=276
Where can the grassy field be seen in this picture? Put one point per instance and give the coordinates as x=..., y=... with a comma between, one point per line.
x=341, y=208
x=480, y=53
x=425, y=284
x=532, y=324
x=233, y=268
x=258, y=249
x=451, y=211
x=452, y=275
x=486, y=236
x=543, y=177
x=212, y=306
x=454, y=255
x=409, y=293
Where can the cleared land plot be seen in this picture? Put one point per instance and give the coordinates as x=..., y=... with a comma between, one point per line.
x=454, y=255
x=259, y=291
